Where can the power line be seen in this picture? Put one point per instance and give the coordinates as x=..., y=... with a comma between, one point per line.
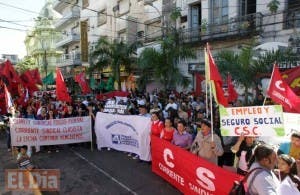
x=19, y=8
x=15, y=23
x=10, y=28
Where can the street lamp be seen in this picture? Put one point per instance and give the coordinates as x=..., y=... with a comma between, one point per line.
x=45, y=61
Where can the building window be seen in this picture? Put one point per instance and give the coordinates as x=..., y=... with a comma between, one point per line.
x=102, y=17
x=219, y=12
x=122, y=36
x=153, y=31
x=85, y=3
x=293, y=14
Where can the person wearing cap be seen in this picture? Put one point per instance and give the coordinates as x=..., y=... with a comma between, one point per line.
x=207, y=144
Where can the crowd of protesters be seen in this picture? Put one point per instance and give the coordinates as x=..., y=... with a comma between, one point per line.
x=184, y=120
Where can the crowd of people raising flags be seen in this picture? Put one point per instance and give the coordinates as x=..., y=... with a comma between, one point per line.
x=182, y=119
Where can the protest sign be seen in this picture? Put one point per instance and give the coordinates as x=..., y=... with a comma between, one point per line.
x=188, y=172
x=125, y=133
x=50, y=132
x=252, y=121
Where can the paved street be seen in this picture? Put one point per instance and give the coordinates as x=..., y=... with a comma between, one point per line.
x=97, y=172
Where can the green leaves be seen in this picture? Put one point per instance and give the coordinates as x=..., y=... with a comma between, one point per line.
x=114, y=55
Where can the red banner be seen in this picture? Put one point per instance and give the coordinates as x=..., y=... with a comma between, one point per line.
x=187, y=172
x=292, y=77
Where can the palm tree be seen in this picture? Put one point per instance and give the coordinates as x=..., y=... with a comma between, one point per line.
x=246, y=66
x=113, y=54
x=241, y=66
x=163, y=64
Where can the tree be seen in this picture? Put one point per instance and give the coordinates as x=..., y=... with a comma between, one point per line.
x=163, y=64
x=247, y=66
x=273, y=6
x=113, y=54
x=27, y=63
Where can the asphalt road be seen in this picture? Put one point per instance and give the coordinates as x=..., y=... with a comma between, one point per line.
x=93, y=172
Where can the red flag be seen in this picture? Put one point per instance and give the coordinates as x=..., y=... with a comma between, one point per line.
x=292, y=78
x=61, y=89
x=215, y=77
x=35, y=75
x=281, y=93
x=232, y=94
x=29, y=82
x=80, y=79
x=11, y=75
x=8, y=99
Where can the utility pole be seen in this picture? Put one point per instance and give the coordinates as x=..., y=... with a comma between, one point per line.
x=45, y=64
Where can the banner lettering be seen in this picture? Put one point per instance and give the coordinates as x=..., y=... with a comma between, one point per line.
x=252, y=121
x=50, y=132
x=188, y=172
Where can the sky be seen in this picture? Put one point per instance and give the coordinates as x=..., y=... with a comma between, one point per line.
x=12, y=41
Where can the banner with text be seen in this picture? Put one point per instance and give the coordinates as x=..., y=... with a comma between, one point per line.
x=291, y=123
x=125, y=133
x=252, y=121
x=188, y=172
x=50, y=132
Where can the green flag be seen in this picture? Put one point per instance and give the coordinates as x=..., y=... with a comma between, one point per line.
x=49, y=79
x=92, y=83
x=101, y=85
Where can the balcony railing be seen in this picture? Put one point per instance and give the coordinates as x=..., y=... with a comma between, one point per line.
x=239, y=26
x=69, y=59
x=71, y=16
x=152, y=36
x=68, y=39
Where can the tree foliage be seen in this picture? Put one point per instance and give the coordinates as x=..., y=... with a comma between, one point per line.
x=163, y=64
x=246, y=66
x=114, y=55
x=27, y=63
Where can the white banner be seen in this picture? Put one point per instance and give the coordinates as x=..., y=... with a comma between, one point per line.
x=252, y=121
x=50, y=132
x=291, y=123
x=128, y=133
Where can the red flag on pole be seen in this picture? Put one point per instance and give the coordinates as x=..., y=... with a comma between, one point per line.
x=8, y=99
x=61, y=89
x=29, y=82
x=215, y=77
x=80, y=79
x=292, y=78
x=35, y=75
x=12, y=76
x=281, y=93
x=232, y=94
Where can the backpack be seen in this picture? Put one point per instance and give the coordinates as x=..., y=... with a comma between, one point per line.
x=238, y=187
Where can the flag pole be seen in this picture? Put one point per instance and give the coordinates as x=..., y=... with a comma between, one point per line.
x=91, y=133
x=269, y=83
x=211, y=112
x=206, y=80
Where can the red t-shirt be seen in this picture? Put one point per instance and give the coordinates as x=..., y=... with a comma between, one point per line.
x=167, y=135
x=156, y=128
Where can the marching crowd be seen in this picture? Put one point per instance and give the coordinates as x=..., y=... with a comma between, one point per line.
x=183, y=120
